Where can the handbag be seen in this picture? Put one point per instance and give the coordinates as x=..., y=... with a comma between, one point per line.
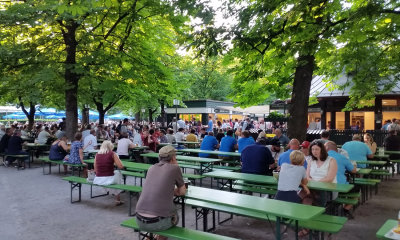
x=91, y=176
x=117, y=177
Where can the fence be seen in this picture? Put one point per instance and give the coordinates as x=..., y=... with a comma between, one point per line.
x=342, y=136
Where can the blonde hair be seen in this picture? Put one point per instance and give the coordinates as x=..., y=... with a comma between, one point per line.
x=106, y=147
x=297, y=157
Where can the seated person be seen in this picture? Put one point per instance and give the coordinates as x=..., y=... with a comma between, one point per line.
x=155, y=210
x=170, y=136
x=163, y=137
x=76, y=153
x=257, y=159
x=245, y=141
x=294, y=144
x=90, y=141
x=281, y=138
x=104, y=168
x=191, y=137
x=44, y=136
x=15, y=148
x=59, y=148
x=290, y=177
x=4, y=140
x=358, y=150
x=209, y=143
x=124, y=144
x=180, y=135
x=228, y=144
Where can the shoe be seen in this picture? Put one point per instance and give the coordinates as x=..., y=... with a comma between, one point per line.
x=348, y=214
x=118, y=203
x=303, y=233
x=5, y=163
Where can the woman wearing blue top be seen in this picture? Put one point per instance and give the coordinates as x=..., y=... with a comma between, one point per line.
x=76, y=153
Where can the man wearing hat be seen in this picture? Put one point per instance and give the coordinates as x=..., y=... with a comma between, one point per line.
x=155, y=210
x=304, y=147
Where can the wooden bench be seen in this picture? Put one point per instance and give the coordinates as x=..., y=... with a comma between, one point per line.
x=175, y=233
x=320, y=224
x=243, y=186
x=47, y=161
x=76, y=182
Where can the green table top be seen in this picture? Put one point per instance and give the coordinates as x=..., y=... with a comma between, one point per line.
x=332, y=187
x=233, y=154
x=139, y=148
x=166, y=144
x=242, y=176
x=386, y=227
x=364, y=171
x=321, y=186
x=262, y=205
x=381, y=156
x=185, y=158
x=127, y=164
x=392, y=152
x=185, y=142
x=371, y=162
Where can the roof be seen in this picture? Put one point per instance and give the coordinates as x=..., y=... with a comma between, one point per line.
x=322, y=89
x=264, y=109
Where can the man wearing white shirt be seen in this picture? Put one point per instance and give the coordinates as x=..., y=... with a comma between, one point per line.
x=90, y=141
x=124, y=144
x=43, y=136
x=181, y=124
x=137, y=139
x=180, y=136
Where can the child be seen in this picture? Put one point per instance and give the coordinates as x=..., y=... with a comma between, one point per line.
x=290, y=177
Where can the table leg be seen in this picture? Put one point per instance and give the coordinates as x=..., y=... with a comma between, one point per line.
x=278, y=228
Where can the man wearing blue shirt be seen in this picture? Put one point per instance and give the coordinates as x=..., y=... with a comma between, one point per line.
x=209, y=143
x=228, y=143
x=257, y=159
x=342, y=162
x=357, y=150
x=294, y=144
x=245, y=141
x=282, y=138
x=210, y=124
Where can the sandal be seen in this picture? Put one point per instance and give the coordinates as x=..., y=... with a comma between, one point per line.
x=118, y=203
x=303, y=233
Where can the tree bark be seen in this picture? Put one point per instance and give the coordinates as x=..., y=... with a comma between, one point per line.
x=163, y=115
x=297, y=124
x=30, y=115
x=71, y=80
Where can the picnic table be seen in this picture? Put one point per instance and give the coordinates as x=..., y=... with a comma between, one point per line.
x=386, y=227
x=265, y=206
x=374, y=163
x=364, y=171
x=206, y=164
x=270, y=180
x=32, y=147
x=190, y=150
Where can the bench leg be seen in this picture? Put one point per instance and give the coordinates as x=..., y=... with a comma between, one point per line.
x=130, y=204
x=225, y=220
x=73, y=186
x=101, y=195
x=278, y=228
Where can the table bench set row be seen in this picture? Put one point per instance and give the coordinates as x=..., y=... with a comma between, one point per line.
x=209, y=201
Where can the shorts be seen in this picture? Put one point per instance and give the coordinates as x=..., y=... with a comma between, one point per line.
x=163, y=223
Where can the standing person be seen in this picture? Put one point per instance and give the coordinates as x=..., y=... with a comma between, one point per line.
x=386, y=125
x=124, y=126
x=124, y=144
x=290, y=177
x=246, y=124
x=257, y=159
x=210, y=124
x=358, y=150
x=104, y=162
x=155, y=210
x=245, y=141
x=209, y=143
x=236, y=126
x=76, y=154
x=370, y=142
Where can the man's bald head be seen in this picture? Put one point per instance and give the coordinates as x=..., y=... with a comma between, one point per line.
x=330, y=146
x=294, y=144
x=278, y=132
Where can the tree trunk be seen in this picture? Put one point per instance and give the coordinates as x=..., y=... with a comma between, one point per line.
x=85, y=116
x=30, y=115
x=71, y=81
x=102, y=113
x=150, y=116
x=163, y=115
x=298, y=109
x=137, y=117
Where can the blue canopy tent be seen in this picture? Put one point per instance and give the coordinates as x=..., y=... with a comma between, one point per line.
x=119, y=116
x=14, y=116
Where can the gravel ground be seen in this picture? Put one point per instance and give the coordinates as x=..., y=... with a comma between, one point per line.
x=35, y=206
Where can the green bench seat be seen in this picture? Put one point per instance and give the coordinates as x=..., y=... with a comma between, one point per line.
x=350, y=195
x=261, y=190
x=232, y=168
x=140, y=174
x=349, y=201
x=321, y=223
x=19, y=157
x=76, y=182
x=47, y=161
x=178, y=232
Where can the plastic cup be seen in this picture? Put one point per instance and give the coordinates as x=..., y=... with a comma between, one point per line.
x=276, y=175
